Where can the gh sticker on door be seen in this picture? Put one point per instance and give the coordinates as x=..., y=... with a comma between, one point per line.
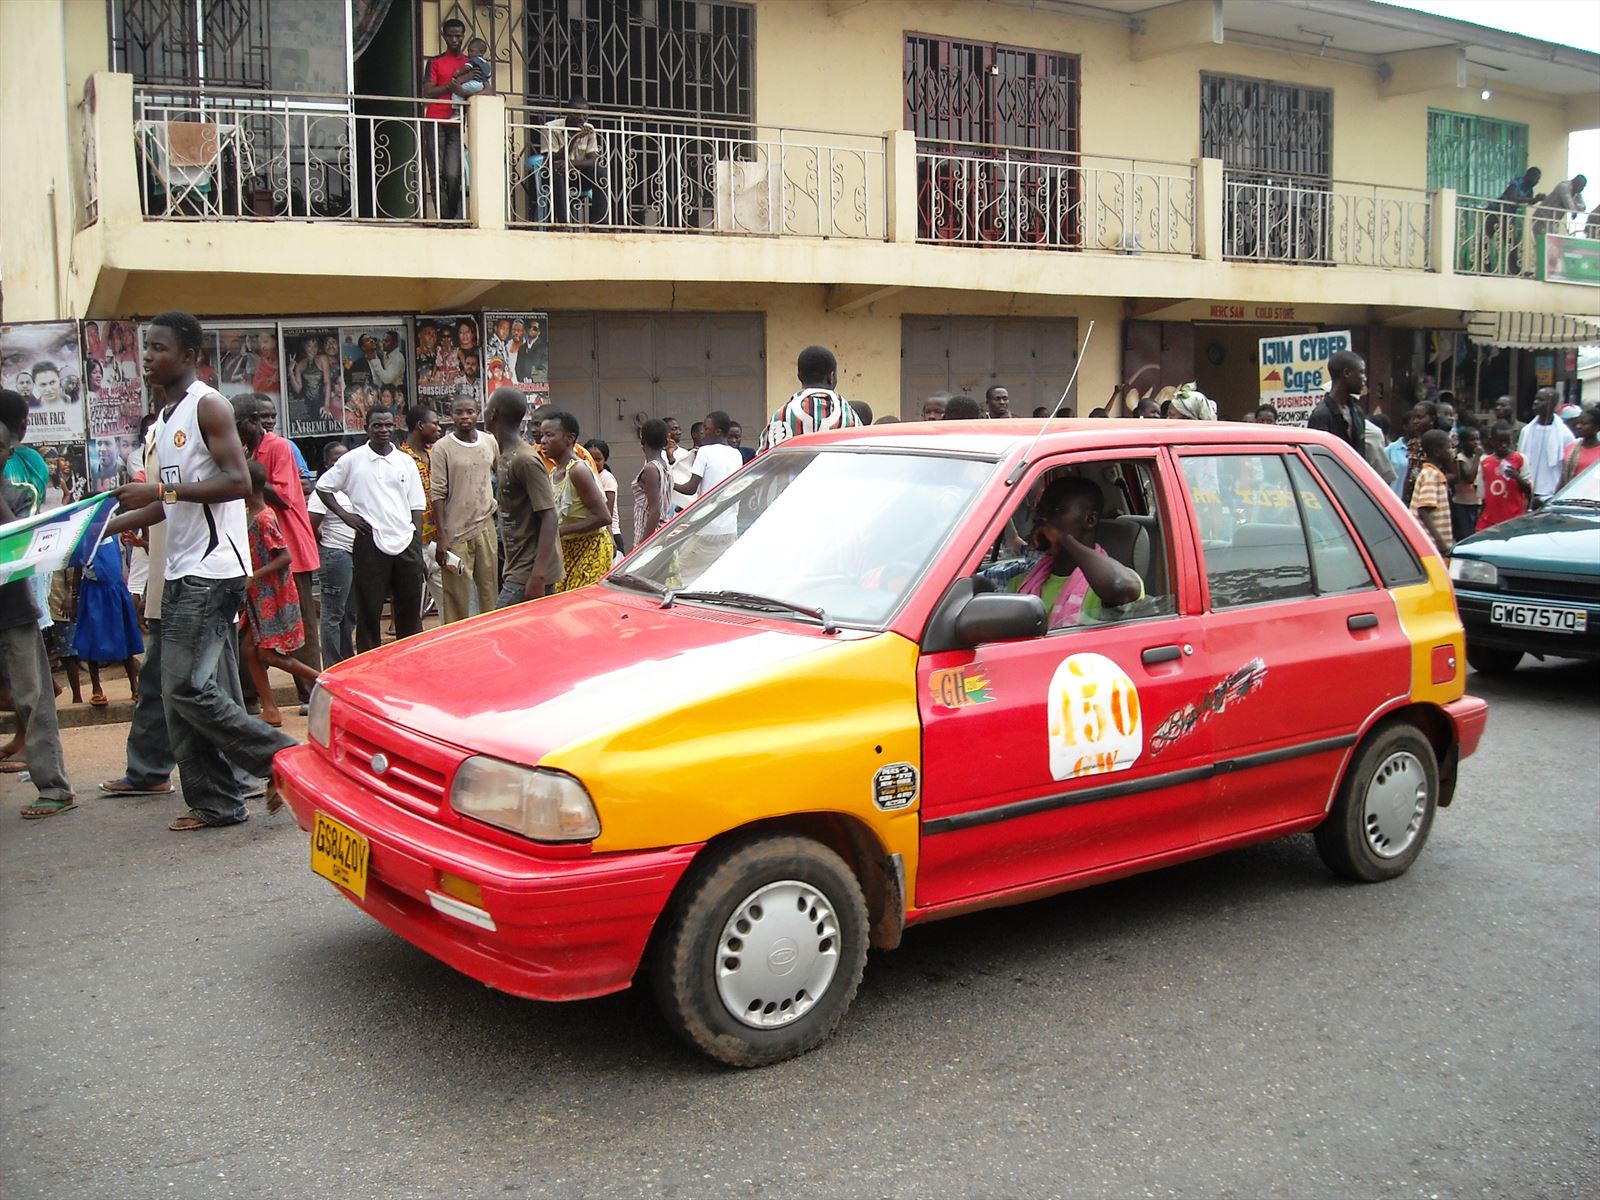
x=1092, y=709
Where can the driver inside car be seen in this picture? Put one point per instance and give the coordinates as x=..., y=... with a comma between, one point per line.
x=1076, y=579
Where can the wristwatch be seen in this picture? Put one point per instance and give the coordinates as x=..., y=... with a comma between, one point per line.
x=169, y=493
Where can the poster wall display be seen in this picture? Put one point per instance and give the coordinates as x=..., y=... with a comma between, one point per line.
x=448, y=353
x=313, y=381
x=107, y=462
x=68, y=473
x=517, y=354
x=112, y=377
x=374, y=357
x=1294, y=371
x=40, y=359
x=242, y=358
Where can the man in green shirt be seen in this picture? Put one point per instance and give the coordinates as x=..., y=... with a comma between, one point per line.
x=527, y=504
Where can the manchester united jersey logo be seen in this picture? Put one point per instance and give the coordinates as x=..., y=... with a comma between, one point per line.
x=178, y=439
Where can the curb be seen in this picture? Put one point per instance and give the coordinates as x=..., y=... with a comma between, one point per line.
x=120, y=712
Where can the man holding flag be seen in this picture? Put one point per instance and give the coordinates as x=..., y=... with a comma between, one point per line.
x=22, y=652
x=199, y=491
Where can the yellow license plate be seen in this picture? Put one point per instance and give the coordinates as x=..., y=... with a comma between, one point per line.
x=339, y=854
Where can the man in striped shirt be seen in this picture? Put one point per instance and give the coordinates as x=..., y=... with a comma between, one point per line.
x=816, y=407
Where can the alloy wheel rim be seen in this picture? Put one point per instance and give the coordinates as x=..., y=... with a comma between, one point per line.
x=1396, y=803
x=777, y=955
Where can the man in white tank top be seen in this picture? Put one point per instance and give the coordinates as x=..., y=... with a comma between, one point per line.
x=197, y=483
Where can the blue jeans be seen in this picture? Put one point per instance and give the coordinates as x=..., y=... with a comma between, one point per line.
x=514, y=591
x=338, y=617
x=149, y=749
x=210, y=731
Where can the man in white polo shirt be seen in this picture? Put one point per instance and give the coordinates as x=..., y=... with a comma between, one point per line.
x=383, y=502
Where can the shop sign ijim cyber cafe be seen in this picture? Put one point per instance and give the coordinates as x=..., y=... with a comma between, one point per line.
x=1294, y=371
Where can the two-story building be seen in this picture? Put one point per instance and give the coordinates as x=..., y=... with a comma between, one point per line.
x=945, y=192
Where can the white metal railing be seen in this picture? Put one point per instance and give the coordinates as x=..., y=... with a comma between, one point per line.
x=990, y=195
x=671, y=175
x=1492, y=237
x=238, y=155
x=1346, y=224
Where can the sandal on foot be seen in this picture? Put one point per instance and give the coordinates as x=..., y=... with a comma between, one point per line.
x=47, y=808
x=192, y=820
x=12, y=766
x=275, y=799
x=99, y=700
x=126, y=787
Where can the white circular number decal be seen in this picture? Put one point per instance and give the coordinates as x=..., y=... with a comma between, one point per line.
x=1093, y=712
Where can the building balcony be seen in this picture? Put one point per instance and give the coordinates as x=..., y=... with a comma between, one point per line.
x=288, y=192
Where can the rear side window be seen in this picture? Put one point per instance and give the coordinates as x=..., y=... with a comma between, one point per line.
x=1397, y=563
x=1251, y=537
x=1339, y=565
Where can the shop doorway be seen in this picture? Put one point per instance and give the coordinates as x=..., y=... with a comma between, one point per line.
x=1032, y=359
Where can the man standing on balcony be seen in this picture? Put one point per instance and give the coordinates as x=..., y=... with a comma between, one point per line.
x=445, y=76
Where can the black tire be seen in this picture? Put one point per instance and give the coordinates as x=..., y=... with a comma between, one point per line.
x=692, y=960
x=1358, y=839
x=1489, y=660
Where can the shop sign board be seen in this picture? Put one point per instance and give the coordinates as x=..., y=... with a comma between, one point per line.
x=1294, y=371
x=1570, y=260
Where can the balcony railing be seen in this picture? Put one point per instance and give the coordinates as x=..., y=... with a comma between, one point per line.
x=241, y=155
x=668, y=175
x=985, y=195
x=1344, y=224
x=1492, y=237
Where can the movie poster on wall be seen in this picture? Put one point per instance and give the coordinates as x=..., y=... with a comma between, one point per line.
x=113, y=378
x=517, y=354
x=447, y=354
x=67, y=472
x=374, y=356
x=313, y=381
x=243, y=358
x=40, y=360
x=108, y=461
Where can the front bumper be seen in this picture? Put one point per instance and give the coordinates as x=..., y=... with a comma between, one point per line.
x=565, y=928
x=1476, y=609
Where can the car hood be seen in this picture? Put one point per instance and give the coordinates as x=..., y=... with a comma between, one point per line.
x=522, y=682
x=1560, y=538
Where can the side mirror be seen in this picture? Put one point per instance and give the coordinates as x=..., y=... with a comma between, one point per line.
x=1000, y=617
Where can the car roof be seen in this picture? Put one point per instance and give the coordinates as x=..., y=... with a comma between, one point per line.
x=1000, y=439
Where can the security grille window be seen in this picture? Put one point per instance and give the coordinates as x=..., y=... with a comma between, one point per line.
x=156, y=42
x=1275, y=141
x=997, y=131
x=1477, y=156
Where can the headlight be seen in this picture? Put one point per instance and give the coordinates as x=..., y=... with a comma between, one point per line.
x=543, y=805
x=319, y=723
x=1472, y=570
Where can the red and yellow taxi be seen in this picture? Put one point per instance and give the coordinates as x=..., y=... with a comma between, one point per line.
x=830, y=701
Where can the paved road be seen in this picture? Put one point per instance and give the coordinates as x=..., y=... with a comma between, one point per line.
x=199, y=1016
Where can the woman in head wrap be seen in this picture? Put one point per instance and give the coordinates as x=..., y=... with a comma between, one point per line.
x=1189, y=403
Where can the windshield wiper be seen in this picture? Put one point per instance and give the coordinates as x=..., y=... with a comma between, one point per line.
x=752, y=600
x=637, y=582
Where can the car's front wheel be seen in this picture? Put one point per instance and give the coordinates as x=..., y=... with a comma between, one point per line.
x=1489, y=660
x=762, y=950
x=1384, y=809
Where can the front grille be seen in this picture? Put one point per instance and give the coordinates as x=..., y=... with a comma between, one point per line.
x=1552, y=587
x=417, y=769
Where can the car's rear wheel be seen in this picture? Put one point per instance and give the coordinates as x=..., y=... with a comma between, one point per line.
x=762, y=951
x=1381, y=817
x=1490, y=660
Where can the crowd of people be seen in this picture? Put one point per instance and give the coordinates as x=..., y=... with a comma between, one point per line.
x=241, y=563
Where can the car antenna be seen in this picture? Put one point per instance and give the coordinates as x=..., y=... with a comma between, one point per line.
x=1022, y=466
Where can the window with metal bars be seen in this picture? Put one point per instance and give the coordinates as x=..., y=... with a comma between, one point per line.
x=1477, y=156
x=1275, y=141
x=159, y=42
x=997, y=140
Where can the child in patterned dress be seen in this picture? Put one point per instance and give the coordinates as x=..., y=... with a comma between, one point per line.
x=270, y=629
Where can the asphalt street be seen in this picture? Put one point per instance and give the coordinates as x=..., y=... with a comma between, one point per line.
x=199, y=1016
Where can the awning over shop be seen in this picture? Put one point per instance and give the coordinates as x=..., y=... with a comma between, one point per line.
x=1533, y=331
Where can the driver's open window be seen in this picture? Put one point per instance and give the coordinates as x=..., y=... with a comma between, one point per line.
x=1128, y=529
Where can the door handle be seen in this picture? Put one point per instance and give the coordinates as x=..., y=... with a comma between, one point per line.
x=1160, y=654
x=1363, y=621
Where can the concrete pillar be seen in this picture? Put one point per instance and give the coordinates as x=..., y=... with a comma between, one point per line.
x=1442, y=232
x=116, y=150
x=487, y=198
x=1208, y=203
x=901, y=169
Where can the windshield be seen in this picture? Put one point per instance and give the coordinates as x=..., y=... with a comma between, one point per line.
x=844, y=532
x=1584, y=489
